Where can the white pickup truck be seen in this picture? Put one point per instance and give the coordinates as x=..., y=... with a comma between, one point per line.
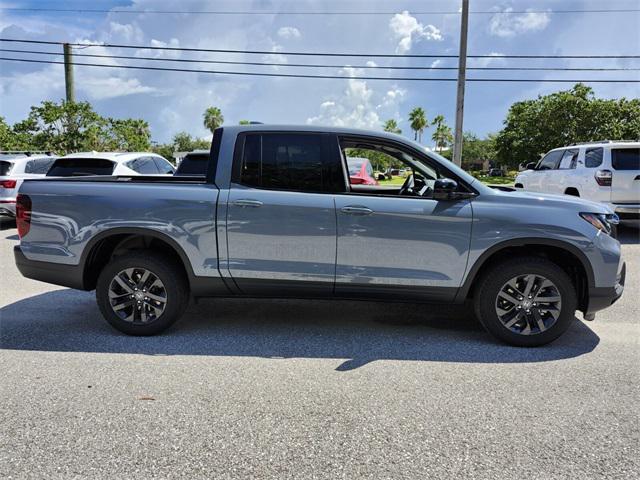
x=606, y=172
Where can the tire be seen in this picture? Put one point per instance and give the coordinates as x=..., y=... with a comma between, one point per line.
x=490, y=298
x=165, y=282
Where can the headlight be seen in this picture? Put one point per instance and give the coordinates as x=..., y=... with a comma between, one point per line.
x=602, y=221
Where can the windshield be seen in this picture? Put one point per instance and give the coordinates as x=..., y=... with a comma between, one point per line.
x=355, y=165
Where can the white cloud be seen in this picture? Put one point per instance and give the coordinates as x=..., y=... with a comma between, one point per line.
x=101, y=87
x=494, y=59
x=371, y=63
x=359, y=105
x=406, y=29
x=288, y=32
x=125, y=32
x=510, y=24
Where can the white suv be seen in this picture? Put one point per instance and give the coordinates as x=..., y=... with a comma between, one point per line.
x=607, y=172
x=110, y=163
x=14, y=168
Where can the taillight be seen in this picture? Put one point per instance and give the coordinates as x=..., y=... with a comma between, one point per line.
x=23, y=214
x=603, y=177
x=8, y=183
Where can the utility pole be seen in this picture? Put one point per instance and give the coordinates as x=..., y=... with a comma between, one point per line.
x=462, y=75
x=68, y=73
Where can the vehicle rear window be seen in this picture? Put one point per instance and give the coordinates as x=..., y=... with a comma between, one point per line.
x=5, y=167
x=71, y=167
x=193, y=164
x=40, y=165
x=625, y=158
x=291, y=161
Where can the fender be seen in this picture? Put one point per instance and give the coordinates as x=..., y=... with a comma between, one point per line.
x=463, y=291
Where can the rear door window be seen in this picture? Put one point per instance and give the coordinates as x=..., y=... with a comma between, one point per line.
x=291, y=161
x=143, y=165
x=163, y=165
x=593, y=157
x=71, y=167
x=39, y=166
x=569, y=159
x=5, y=167
x=550, y=161
x=625, y=158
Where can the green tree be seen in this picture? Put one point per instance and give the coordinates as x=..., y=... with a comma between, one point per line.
x=244, y=122
x=128, y=134
x=477, y=150
x=391, y=126
x=10, y=139
x=533, y=127
x=419, y=122
x=442, y=135
x=184, y=142
x=213, y=118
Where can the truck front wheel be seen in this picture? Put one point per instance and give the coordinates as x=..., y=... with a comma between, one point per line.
x=141, y=293
x=526, y=301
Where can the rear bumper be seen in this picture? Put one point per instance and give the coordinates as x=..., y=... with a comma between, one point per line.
x=55, y=273
x=601, y=298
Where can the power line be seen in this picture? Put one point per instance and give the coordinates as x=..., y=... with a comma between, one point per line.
x=316, y=65
x=292, y=12
x=339, y=77
x=314, y=54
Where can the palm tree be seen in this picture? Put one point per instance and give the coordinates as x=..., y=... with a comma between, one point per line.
x=391, y=126
x=443, y=135
x=419, y=122
x=213, y=118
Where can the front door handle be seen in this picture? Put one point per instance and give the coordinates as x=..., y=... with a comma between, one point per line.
x=247, y=203
x=356, y=210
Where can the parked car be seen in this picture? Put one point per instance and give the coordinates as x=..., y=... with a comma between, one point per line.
x=194, y=163
x=496, y=172
x=14, y=168
x=360, y=171
x=607, y=172
x=277, y=217
x=110, y=163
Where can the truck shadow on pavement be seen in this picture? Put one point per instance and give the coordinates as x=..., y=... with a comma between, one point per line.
x=358, y=332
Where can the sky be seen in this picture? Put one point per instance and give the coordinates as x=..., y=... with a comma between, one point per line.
x=173, y=102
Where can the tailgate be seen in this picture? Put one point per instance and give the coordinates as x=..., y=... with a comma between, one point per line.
x=625, y=182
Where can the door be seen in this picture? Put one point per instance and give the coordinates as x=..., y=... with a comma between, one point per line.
x=625, y=178
x=564, y=176
x=400, y=244
x=281, y=221
x=537, y=180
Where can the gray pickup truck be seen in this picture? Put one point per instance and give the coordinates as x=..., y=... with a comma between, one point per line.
x=276, y=214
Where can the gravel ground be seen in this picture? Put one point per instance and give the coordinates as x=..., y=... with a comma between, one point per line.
x=311, y=389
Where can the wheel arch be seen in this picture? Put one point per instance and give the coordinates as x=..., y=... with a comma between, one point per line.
x=566, y=255
x=101, y=248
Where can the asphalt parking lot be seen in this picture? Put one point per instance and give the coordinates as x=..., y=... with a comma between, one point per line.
x=311, y=389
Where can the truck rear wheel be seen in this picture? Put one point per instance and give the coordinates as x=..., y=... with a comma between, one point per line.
x=141, y=293
x=526, y=301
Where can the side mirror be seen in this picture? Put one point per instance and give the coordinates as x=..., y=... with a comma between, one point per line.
x=444, y=189
x=531, y=165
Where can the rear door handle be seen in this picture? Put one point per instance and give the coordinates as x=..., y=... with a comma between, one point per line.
x=245, y=202
x=356, y=210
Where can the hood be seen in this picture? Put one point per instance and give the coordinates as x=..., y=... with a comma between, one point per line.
x=576, y=203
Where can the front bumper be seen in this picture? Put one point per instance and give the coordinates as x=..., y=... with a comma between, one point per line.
x=628, y=214
x=56, y=273
x=7, y=207
x=603, y=297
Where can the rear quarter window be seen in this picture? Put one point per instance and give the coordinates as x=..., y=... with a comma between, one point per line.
x=73, y=167
x=5, y=168
x=625, y=158
x=593, y=157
